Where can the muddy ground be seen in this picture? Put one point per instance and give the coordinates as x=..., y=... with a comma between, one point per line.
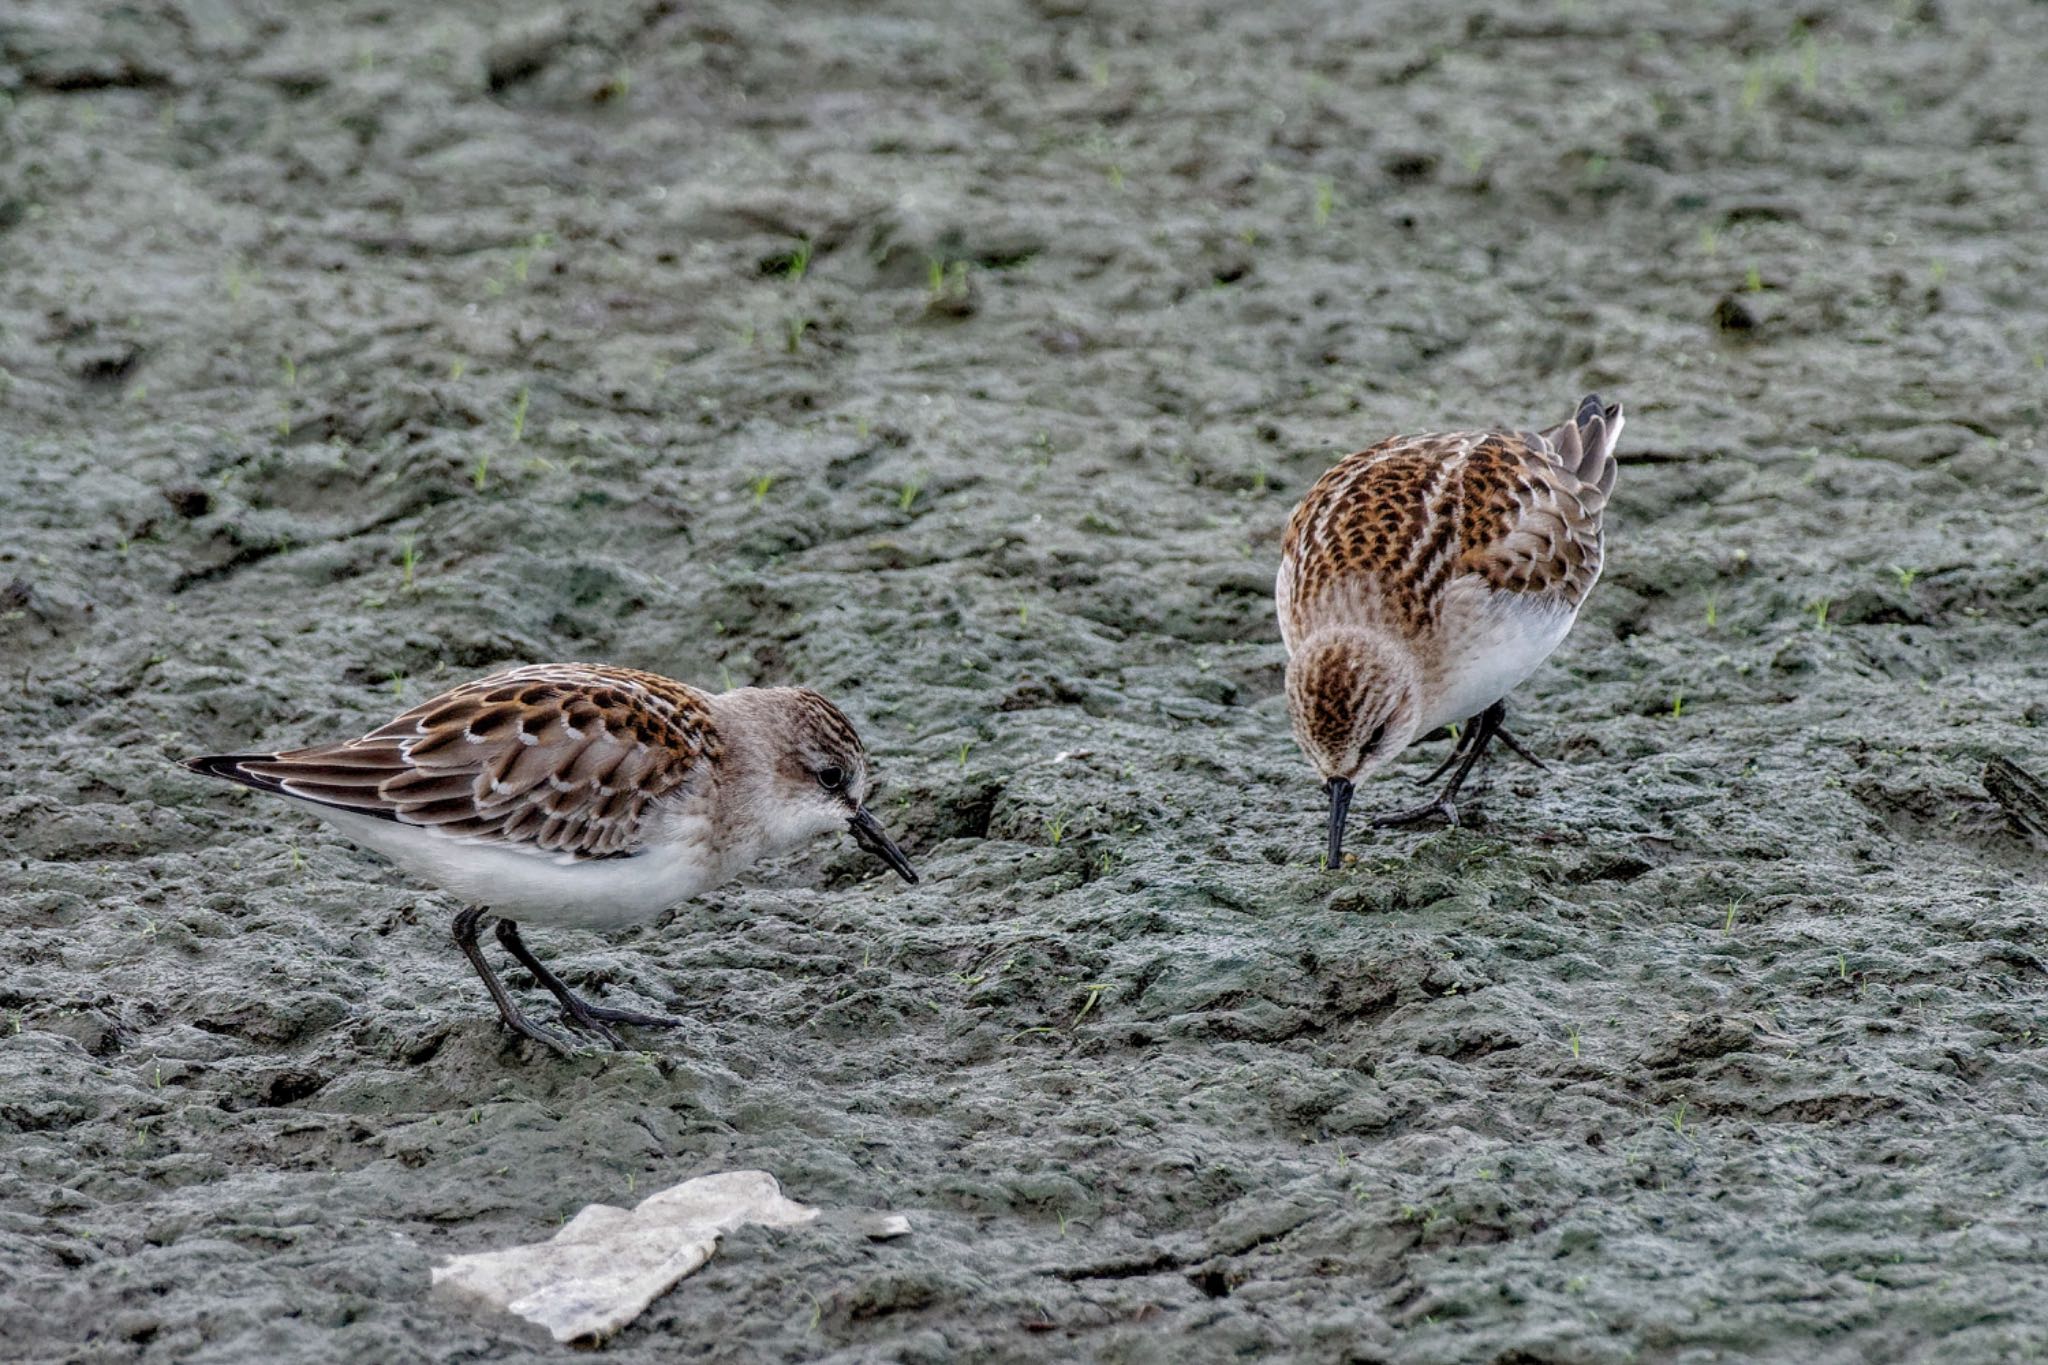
x=964, y=360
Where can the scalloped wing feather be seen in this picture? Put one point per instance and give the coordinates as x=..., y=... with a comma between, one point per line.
x=557, y=759
x=1389, y=530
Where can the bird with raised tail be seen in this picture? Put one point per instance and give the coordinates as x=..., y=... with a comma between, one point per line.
x=1422, y=580
x=582, y=795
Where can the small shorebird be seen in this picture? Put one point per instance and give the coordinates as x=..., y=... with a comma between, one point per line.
x=582, y=795
x=1423, y=579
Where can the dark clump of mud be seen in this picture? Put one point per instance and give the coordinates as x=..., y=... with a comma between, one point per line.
x=964, y=361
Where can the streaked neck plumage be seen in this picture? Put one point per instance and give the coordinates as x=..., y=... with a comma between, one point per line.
x=746, y=813
x=1354, y=696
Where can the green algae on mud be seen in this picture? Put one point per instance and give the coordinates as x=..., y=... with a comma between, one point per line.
x=349, y=354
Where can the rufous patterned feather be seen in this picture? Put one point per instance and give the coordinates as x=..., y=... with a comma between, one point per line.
x=1389, y=530
x=564, y=759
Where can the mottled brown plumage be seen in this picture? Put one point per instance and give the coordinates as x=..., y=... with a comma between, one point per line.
x=582, y=794
x=1423, y=578
x=561, y=758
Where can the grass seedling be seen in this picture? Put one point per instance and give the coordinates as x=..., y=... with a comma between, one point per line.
x=1326, y=200
x=1573, y=1040
x=1728, y=923
x=1713, y=611
x=398, y=683
x=1094, y=993
x=1753, y=88
x=1754, y=281
x=408, y=558
x=1905, y=577
x=1023, y=615
x=1820, y=614
x=909, y=492
x=482, y=471
x=1710, y=240
x=1057, y=828
x=457, y=368
x=761, y=487
x=793, y=333
x=1841, y=964
x=519, y=413
x=1677, y=704
x=298, y=861
x=966, y=746
x=947, y=283
x=799, y=263
x=1678, y=1119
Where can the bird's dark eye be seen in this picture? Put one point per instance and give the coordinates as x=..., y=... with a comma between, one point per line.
x=831, y=779
x=1372, y=741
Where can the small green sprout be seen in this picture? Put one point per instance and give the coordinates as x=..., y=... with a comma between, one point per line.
x=1677, y=704
x=965, y=747
x=1057, y=828
x=761, y=487
x=408, y=559
x=519, y=413
x=1095, y=991
x=1573, y=1040
x=1713, y=611
x=1326, y=200
x=1905, y=577
x=799, y=262
x=1755, y=280
x=482, y=471
x=908, y=495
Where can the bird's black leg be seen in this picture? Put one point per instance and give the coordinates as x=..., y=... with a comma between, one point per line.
x=575, y=1010
x=1500, y=732
x=466, y=924
x=1465, y=734
x=1482, y=730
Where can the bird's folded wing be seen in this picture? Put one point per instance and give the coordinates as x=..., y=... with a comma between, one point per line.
x=554, y=760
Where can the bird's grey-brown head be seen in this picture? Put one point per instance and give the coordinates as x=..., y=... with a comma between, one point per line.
x=816, y=774
x=1353, y=697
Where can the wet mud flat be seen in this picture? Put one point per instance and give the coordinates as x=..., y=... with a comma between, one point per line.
x=964, y=361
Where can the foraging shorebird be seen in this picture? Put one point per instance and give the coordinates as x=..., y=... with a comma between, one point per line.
x=582, y=795
x=1423, y=579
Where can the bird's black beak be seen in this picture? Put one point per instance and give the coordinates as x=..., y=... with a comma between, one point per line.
x=1340, y=806
x=870, y=836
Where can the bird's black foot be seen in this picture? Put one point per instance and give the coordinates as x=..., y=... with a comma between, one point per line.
x=1443, y=807
x=465, y=929
x=576, y=1011
x=1504, y=737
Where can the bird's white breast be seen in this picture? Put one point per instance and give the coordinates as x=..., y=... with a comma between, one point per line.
x=1491, y=641
x=538, y=888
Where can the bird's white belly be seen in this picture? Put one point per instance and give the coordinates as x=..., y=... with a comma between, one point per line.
x=1493, y=640
x=600, y=893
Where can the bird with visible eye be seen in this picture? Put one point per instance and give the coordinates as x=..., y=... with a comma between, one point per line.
x=1423, y=579
x=582, y=795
